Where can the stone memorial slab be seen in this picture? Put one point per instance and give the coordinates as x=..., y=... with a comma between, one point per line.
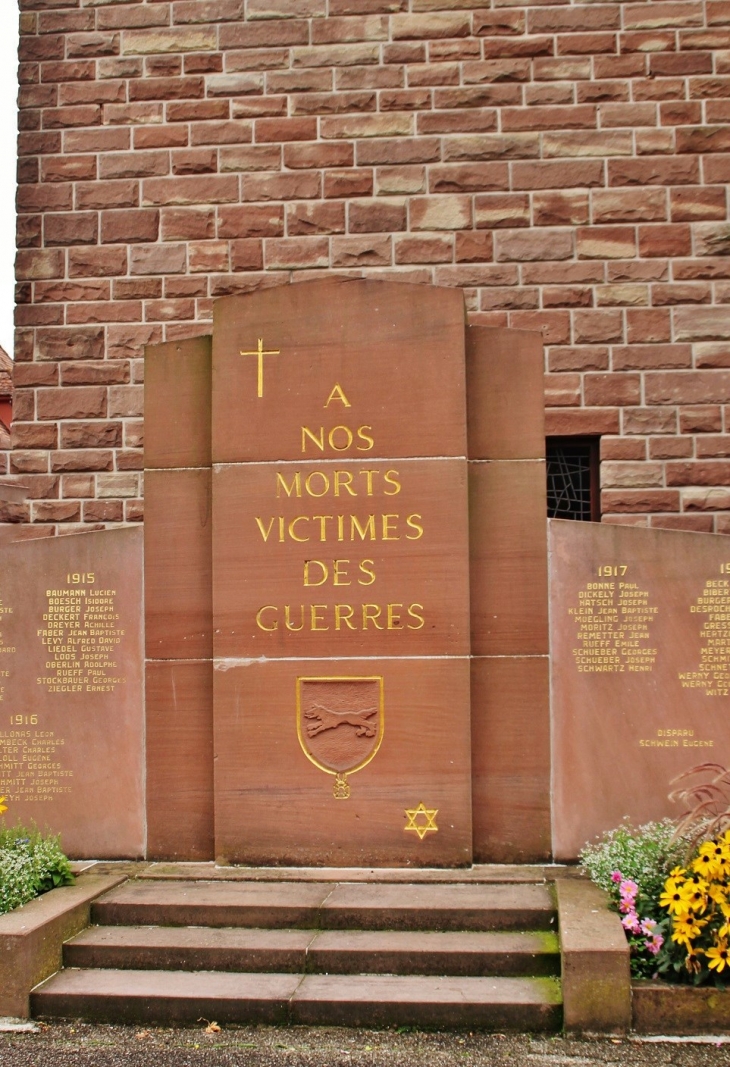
x=640, y=649
x=178, y=600
x=71, y=690
x=340, y=566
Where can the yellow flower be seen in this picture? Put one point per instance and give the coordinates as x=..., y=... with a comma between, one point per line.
x=687, y=928
x=705, y=862
x=692, y=962
x=718, y=894
x=695, y=898
x=677, y=872
x=719, y=956
x=3, y=806
x=675, y=897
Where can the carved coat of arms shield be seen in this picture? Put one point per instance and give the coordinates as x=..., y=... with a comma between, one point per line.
x=340, y=723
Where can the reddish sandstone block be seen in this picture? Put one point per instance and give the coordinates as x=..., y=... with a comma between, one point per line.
x=470, y=247
x=83, y=403
x=56, y=343
x=312, y=217
x=107, y=372
x=107, y=194
x=629, y=205
x=562, y=390
x=71, y=228
x=553, y=325
x=553, y=244
x=380, y=215
x=711, y=446
x=297, y=186
x=96, y=262
x=623, y=448
x=346, y=183
x=667, y=240
x=699, y=472
x=392, y=181
x=440, y=213
x=706, y=419
x=627, y=475
x=296, y=253
x=211, y=189
x=566, y=296
x=371, y=251
x=647, y=325
x=68, y=168
x=693, y=204
x=471, y=121
x=56, y=511
x=39, y=263
x=306, y=156
x=578, y=358
x=397, y=151
x=606, y=242
x=551, y=174
x=690, y=387
x=499, y=211
x=91, y=435
x=679, y=170
x=560, y=208
x=652, y=357
x=433, y=248
x=131, y=226
x=468, y=177
x=590, y=327
x=278, y=130
x=639, y=500
x=208, y=256
x=247, y=255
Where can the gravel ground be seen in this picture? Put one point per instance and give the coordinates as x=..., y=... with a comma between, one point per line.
x=82, y=1045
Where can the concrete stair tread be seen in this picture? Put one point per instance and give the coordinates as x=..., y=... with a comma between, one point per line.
x=329, y=905
x=479, y=873
x=342, y=952
x=343, y=999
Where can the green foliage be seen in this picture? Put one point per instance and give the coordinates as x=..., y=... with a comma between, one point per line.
x=645, y=854
x=30, y=864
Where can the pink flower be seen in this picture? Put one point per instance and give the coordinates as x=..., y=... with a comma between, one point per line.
x=631, y=922
x=648, y=926
x=627, y=904
x=628, y=888
x=616, y=877
x=654, y=943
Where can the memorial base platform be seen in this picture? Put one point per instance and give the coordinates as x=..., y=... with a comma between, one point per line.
x=446, y=949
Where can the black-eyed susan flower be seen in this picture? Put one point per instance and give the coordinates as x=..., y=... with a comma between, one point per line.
x=719, y=956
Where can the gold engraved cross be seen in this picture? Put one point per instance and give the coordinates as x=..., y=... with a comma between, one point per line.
x=261, y=352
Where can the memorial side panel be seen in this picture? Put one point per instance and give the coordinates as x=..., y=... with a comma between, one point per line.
x=640, y=642
x=179, y=702
x=286, y=743
x=71, y=690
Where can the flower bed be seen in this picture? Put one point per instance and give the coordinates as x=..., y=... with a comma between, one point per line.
x=673, y=896
x=30, y=864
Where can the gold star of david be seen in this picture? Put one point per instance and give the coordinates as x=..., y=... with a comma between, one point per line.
x=417, y=824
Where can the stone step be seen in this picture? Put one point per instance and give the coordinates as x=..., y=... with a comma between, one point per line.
x=319, y=905
x=345, y=1000
x=311, y=951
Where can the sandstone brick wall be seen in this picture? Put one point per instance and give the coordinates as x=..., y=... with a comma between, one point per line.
x=565, y=164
